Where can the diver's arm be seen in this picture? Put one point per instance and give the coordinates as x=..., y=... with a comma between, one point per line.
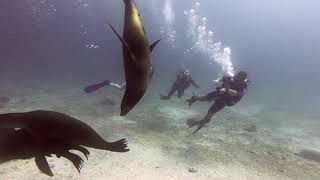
x=238, y=93
x=235, y=93
x=232, y=92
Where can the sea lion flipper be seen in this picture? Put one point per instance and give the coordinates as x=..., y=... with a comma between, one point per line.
x=118, y=146
x=154, y=45
x=43, y=165
x=83, y=150
x=132, y=56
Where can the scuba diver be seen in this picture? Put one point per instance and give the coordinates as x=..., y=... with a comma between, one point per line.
x=230, y=91
x=94, y=87
x=183, y=81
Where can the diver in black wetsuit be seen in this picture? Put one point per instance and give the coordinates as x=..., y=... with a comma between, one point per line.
x=231, y=91
x=183, y=81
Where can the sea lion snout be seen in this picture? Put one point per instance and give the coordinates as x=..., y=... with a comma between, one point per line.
x=124, y=111
x=126, y=1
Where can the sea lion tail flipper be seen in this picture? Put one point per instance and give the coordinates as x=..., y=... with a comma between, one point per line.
x=154, y=45
x=118, y=146
x=43, y=165
x=124, y=44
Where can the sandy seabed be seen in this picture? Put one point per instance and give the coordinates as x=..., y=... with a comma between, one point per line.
x=242, y=142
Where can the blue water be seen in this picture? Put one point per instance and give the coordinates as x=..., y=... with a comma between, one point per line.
x=56, y=47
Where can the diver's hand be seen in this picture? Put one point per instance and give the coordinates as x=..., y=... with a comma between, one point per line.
x=223, y=90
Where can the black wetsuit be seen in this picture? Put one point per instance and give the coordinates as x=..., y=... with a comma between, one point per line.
x=225, y=99
x=181, y=83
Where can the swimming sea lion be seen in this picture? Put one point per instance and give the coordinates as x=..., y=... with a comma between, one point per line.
x=55, y=127
x=19, y=144
x=136, y=57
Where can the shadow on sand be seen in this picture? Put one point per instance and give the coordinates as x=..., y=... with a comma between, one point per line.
x=309, y=154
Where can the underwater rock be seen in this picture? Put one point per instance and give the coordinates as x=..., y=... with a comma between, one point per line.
x=251, y=128
x=309, y=154
x=192, y=170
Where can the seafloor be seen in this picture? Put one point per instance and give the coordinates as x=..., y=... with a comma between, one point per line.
x=243, y=142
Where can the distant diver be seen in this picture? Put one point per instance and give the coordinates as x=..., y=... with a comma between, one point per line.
x=230, y=91
x=94, y=87
x=183, y=81
x=136, y=57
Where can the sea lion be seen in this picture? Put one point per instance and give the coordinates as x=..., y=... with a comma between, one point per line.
x=54, y=127
x=136, y=57
x=19, y=144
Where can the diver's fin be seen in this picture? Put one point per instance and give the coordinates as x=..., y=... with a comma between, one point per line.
x=43, y=165
x=154, y=45
x=94, y=87
x=124, y=43
x=198, y=128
